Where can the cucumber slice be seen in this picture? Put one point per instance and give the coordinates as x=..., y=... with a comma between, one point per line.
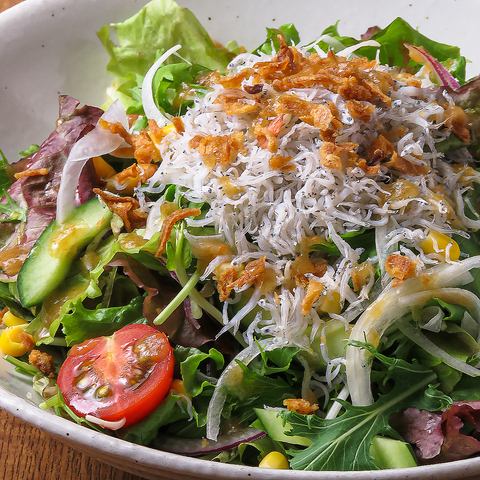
x=390, y=453
x=54, y=252
x=276, y=428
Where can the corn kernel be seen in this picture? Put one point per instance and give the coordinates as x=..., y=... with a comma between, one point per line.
x=330, y=303
x=15, y=341
x=102, y=168
x=274, y=460
x=437, y=242
x=11, y=320
x=178, y=387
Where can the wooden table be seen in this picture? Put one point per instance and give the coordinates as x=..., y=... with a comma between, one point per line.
x=27, y=453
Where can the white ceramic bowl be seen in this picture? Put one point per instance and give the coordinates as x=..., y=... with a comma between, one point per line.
x=50, y=47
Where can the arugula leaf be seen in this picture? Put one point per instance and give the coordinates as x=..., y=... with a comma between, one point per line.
x=144, y=432
x=135, y=44
x=344, y=442
x=433, y=400
x=468, y=388
x=30, y=150
x=190, y=360
x=82, y=323
x=271, y=44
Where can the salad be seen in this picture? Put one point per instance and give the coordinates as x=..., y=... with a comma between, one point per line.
x=265, y=257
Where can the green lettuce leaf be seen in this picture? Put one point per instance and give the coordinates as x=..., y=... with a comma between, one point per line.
x=5, y=176
x=271, y=43
x=169, y=86
x=135, y=44
x=82, y=323
x=392, y=50
x=30, y=150
x=190, y=360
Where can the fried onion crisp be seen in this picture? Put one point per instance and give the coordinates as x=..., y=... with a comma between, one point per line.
x=144, y=150
x=254, y=272
x=225, y=275
x=314, y=290
x=404, y=166
x=457, y=121
x=400, y=266
x=125, y=181
x=300, y=405
x=127, y=208
x=360, y=110
x=282, y=163
x=337, y=157
x=37, y=172
x=43, y=361
x=218, y=150
x=169, y=223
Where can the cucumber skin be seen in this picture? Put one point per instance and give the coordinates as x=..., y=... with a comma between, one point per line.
x=32, y=282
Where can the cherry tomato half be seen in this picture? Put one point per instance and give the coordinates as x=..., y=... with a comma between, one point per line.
x=126, y=375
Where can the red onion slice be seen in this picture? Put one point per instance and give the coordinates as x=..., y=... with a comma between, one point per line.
x=196, y=447
x=444, y=77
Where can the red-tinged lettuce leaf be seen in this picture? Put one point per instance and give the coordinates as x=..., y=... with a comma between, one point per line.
x=38, y=194
x=442, y=437
x=422, y=429
x=456, y=421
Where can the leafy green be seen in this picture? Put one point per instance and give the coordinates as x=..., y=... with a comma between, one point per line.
x=362, y=238
x=344, y=442
x=339, y=42
x=57, y=403
x=190, y=360
x=468, y=388
x=30, y=150
x=11, y=211
x=76, y=288
x=135, y=44
x=392, y=50
x=8, y=299
x=5, y=177
x=271, y=43
x=433, y=400
x=21, y=366
x=82, y=323
x=144, y=432
x=170, y=86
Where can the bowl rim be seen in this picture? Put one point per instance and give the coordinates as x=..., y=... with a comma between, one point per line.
x=79, y=435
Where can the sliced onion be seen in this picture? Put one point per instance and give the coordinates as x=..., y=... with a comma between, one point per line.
x=150, y=108
x=95, y=143
x=443, y=76
x=346, y=52
x=116, y=114
x=432, y=318
x=394, y=304
x=105, y=423
x=417, y=337
x=196, y=447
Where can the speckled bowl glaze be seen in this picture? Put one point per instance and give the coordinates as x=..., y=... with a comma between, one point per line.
x=50, y=47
